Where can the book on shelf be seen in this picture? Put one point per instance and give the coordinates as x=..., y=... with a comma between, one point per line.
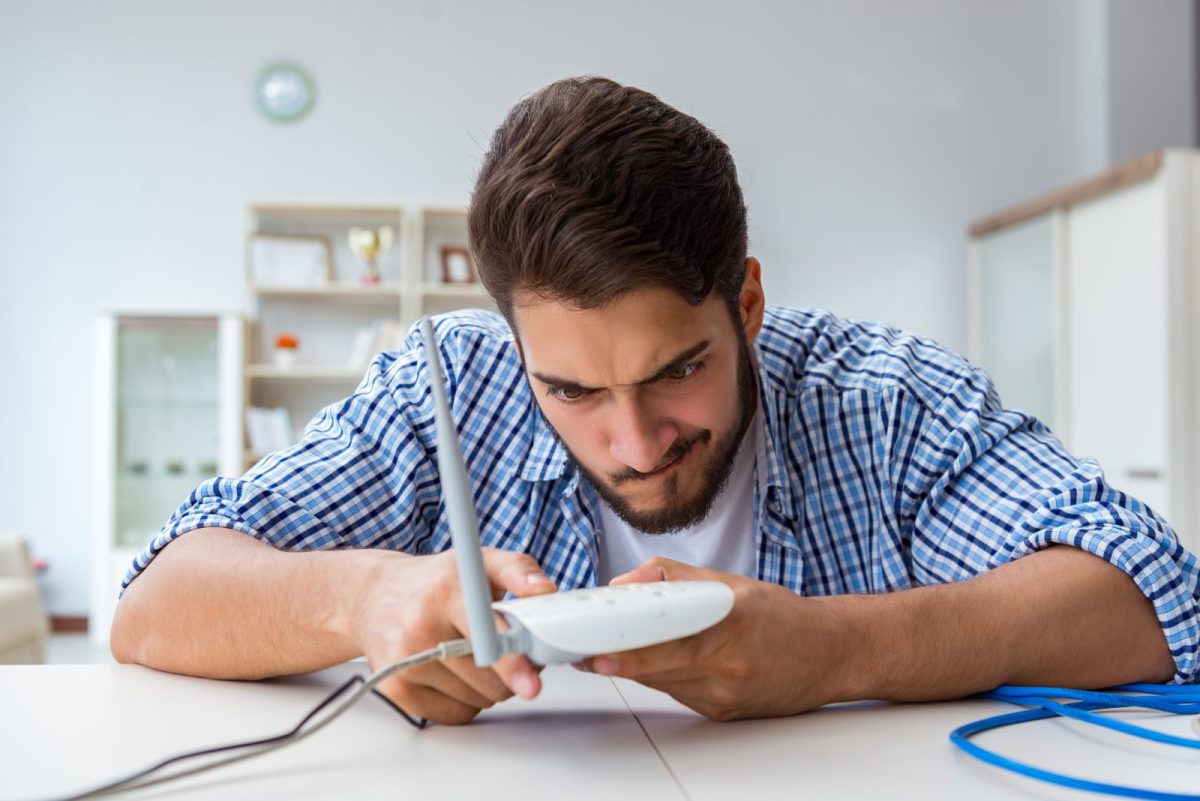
x=268, y=430
x=379, y=336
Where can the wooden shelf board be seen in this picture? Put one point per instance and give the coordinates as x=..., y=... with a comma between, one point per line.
x=390, y=291
x=435, y=290
x=324, y=209
x=304, y=372
x=1132, y=172
x=445, y=212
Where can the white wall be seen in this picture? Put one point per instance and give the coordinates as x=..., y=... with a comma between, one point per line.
x=1151, y=74
x=868, y=134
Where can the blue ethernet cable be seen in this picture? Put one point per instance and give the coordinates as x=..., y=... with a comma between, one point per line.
x=1042, y=703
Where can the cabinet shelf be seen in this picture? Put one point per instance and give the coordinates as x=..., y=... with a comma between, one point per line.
x=436, y=290
x=313, y=372
x=389, y=292
x=167, y=401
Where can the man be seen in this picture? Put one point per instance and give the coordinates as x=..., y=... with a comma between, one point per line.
x=640, y=414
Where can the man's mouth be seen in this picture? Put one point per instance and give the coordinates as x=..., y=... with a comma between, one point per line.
x=669, y=466
x=664, y=469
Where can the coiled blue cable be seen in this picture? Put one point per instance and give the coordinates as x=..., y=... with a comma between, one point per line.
x=1176, y=699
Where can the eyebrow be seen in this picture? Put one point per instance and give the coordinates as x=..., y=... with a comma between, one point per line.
x=678, y=361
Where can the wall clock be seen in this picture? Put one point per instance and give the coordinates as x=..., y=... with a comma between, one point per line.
x=284, y=92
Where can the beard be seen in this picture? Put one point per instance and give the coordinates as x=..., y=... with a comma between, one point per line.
x=679, y=513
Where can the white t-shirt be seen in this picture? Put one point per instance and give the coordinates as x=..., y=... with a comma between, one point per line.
x=723, y=540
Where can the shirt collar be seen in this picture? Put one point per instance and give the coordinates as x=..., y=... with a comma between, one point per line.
x=547, y=459
x=777, y=481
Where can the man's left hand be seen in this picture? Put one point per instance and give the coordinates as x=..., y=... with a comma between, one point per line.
x=774, y=654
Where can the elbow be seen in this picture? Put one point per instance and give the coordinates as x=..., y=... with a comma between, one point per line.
x=1165, y=666
x=123, y=639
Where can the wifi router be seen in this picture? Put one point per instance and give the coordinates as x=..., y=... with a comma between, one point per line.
x=562, y=626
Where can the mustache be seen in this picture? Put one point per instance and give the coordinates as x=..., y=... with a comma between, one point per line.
x=676, y=451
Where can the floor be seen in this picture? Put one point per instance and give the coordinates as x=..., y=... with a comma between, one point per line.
x=76, y=649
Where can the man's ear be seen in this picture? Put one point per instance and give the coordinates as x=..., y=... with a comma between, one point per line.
x=752, y=301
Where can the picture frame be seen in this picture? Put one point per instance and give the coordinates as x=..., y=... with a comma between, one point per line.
x=457, y=265
x=289, y=260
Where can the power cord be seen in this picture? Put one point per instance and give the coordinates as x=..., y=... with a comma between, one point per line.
x=145, y=778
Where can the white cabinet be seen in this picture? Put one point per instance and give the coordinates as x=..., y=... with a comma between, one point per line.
x=167, y=403
x=1117, y=338
x=1083, y=307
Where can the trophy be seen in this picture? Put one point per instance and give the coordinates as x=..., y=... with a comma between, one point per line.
x=369, y=245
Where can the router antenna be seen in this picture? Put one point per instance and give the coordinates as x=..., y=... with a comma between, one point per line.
x=460, y=507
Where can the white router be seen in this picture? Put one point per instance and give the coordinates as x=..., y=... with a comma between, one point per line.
x=561, y=626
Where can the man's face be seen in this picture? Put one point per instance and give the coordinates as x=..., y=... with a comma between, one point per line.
x=649, y=395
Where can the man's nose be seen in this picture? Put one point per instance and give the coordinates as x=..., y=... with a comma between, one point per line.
x=639, y=438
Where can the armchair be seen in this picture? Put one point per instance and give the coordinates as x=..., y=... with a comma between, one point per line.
x=23, y=622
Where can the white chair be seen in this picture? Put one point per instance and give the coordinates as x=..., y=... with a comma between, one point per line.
x=24, y=626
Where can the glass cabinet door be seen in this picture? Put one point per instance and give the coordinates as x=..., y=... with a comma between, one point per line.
x=166, y=419
x=1016, y=316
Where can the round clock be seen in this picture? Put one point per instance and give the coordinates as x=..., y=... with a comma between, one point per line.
x=284, y=92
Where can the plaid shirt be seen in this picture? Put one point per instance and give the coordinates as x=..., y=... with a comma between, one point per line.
x=889, y=463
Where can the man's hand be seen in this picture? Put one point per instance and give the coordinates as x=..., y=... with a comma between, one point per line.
x=1060, y=617
x=413, y=603
x=774, y=654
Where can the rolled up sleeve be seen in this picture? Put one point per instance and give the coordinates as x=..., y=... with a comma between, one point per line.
x=993, y=485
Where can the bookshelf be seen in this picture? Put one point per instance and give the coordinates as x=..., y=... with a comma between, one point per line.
x=341, y=321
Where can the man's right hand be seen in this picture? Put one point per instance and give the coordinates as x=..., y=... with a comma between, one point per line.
x=410, y=604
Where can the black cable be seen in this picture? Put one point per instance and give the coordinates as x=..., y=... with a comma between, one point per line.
x=134, y=781
x=419, y=724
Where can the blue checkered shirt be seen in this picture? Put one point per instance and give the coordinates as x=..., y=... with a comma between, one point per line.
x=889, y=463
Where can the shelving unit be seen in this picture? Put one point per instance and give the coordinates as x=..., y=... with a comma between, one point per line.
x=432, y=227
x=327, y=318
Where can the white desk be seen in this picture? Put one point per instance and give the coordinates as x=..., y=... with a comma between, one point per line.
x=64, y=728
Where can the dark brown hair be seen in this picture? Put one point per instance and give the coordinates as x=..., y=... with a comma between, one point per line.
x=591, y=189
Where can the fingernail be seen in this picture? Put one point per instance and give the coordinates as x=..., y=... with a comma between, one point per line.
x=604, y=665
x=583, y=666
x=522, y=684
x=537, y=578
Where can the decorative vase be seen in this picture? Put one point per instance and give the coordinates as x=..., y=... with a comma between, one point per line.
x=285, y=357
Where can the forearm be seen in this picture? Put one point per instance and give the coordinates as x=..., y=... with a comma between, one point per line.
x=218, y=603
x=1057, y=617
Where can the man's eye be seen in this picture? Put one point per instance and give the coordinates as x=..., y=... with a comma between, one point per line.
x=567, y=394
x=683, y=371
